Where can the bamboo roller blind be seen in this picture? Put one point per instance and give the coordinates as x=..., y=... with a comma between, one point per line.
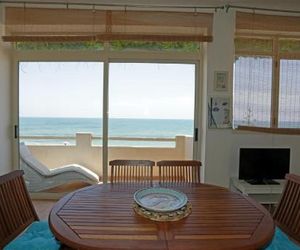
x=267, y=66
x=57, y=25
x=260, y=24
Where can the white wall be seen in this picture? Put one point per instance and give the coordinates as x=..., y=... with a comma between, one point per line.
x=5, y=118
x=85, y=154
x=219, y=58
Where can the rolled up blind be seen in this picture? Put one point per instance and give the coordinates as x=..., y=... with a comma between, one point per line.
x=58, y=25
x=261, y=24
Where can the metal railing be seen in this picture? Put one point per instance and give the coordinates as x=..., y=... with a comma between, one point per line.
x=115, y=138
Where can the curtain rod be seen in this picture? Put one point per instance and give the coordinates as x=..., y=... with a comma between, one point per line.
x=112, y=5
x=227, y=7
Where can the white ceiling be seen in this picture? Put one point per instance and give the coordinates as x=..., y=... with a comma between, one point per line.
x=252, y=3
x=277, y=4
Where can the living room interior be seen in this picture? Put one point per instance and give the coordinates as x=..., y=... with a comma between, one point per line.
x=217, y=55
x=236, y=29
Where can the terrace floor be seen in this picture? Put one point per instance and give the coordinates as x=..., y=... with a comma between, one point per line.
x=67, y=188
x=43, y=207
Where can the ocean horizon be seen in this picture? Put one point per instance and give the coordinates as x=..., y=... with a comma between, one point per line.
x=118, y=127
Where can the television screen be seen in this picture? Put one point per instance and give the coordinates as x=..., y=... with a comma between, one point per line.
x=260, y=164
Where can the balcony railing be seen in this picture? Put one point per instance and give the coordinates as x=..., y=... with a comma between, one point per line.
x=43, y=137
x=83, y=151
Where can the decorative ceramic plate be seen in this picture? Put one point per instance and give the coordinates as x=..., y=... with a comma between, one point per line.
x=160, y=199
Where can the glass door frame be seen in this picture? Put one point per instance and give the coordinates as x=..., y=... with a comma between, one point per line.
x=160, y=61
x=106, y=56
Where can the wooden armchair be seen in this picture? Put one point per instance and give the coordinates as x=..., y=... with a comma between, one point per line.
x=179, y=171
x=17, y=214
x=131, y=171
x=287, y=217
x=287, y=213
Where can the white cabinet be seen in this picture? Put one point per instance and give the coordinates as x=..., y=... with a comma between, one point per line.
x=264, y=194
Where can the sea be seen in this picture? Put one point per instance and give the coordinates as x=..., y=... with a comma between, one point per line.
x=118, y=127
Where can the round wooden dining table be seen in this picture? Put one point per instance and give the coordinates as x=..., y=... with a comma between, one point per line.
x=102, y=217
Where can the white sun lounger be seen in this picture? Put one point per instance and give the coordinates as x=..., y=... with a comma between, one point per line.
x=39, y=177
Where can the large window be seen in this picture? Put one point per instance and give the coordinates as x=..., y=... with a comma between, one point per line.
x=60, y=122
x=266, y=85
x=289, y=94
x=252, y=91
x=151, y=111
x=99, y=102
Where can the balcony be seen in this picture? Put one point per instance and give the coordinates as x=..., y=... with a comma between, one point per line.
x=84, y=152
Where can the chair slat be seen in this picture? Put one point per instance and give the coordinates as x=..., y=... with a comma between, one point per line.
x=287, y=213
x=294, y=201
x=131, y=171
x=16, y=210
x=179, y=171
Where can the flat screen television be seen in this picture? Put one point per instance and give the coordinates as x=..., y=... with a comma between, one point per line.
x=262, y=165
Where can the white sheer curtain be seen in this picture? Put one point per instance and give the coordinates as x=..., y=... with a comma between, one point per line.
x=252, y=89
x=289, y=94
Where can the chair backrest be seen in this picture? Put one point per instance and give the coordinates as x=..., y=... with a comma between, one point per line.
x=131, y=171
x=287, y=213
x=16, y=209
x=179, y=171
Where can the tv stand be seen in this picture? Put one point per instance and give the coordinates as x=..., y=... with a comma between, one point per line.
x=264, y=194
x=263, y=182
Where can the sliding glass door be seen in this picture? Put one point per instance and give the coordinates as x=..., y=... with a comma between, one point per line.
x=60, y=124
x=74, y=117
x=151, y=111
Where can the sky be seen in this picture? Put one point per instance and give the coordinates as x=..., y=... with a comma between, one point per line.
x=136, y=90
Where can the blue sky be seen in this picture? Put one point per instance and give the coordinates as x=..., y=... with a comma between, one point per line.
x=136, y=90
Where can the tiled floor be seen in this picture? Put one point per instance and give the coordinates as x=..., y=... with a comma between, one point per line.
x=67, y=188
x=43, y=208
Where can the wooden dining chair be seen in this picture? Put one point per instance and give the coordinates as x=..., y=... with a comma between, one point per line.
x=287, y=216
x=287, y=213
x=131, y=171
x=17, y=214
x=179, y=171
